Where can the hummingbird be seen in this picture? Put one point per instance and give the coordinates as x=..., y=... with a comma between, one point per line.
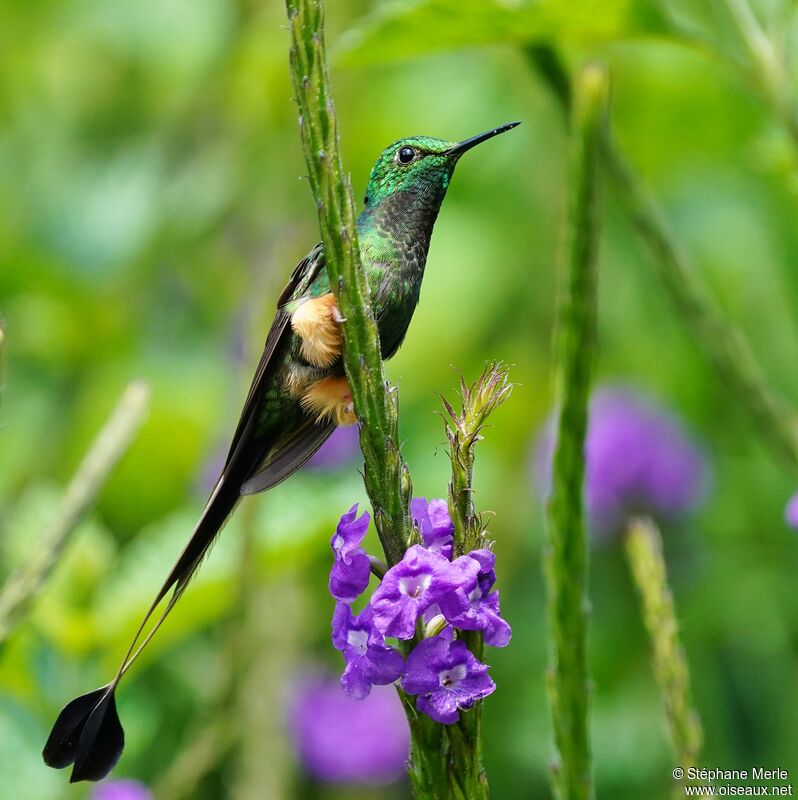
x=298, y=396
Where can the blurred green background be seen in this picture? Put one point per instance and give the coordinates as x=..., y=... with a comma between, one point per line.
x=152, y=208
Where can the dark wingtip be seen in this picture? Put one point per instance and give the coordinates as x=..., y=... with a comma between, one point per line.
x=62, y=744
x=87, y=733
x=101, y=742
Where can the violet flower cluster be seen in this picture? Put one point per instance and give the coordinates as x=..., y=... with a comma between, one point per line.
x=375, y=731
x=639, y=458
x=426, y=594
x=121, y=789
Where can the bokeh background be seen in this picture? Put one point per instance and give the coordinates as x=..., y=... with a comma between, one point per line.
x=152, y=207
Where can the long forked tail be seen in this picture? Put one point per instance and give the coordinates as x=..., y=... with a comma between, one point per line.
x=87, y=732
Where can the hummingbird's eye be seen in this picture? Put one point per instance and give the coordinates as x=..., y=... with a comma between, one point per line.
x=405, y=155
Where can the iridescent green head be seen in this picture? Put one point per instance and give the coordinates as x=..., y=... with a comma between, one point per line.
x=420, y=164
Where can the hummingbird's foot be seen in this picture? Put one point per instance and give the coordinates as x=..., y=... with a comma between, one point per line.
x=316, y=322
x=330, y=398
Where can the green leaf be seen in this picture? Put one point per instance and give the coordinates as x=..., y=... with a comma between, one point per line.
x=416, y=27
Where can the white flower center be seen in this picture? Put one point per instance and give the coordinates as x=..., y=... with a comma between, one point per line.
x=338, y=542
x=358, y=640
x=414, y=585
x=451, y=678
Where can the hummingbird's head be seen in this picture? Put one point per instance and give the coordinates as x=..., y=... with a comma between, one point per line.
x=420, y=164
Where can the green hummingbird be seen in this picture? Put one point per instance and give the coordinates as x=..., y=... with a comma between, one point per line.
x=297, y=397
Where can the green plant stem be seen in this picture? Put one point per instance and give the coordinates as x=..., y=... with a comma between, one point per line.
x=428, y=768
x=110, y=445
x=566, y=561
x=464, y=430
x=644, y=551
x=386, y=476
x=723, y=346
x=467, y=777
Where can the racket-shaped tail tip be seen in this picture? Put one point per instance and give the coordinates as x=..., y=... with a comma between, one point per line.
x=87, y=734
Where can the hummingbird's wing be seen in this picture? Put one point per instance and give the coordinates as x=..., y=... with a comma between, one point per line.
x=87, y=732
x=289, y=455
x=293, y=449
x=302, y=277
x=248, y=451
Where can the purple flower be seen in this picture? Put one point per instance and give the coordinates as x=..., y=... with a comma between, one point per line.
x=791, y=512
x=409, y=588
x=369, y=660
x=472, y=606
x=447, y=677
x=349, y=575
x=121, y=790
x=338, y=450
x=435, y=524
x=341, y=740
x=639, y=460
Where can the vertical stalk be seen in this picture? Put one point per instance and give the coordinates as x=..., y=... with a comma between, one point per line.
x=445, y=762
x=463, y=430
x=566, y=559
x=386, y=475
x=644, y=551
x=428, y=769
